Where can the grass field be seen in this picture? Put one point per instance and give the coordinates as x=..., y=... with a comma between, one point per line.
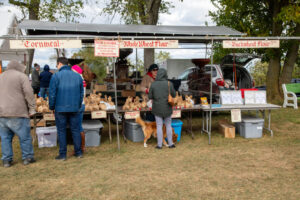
x=266, y=168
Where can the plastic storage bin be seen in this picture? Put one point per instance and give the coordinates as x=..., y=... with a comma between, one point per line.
x=177, y=125
x=133, y=131
x=47, y=136
x=92, y=130
x=251, y=127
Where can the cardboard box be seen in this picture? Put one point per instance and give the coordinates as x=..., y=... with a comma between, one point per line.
x=127, y=93
x=40, y=123
x=100, y=88
x=227, y=129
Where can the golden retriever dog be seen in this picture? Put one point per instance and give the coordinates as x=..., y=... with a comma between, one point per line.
x=149, y=128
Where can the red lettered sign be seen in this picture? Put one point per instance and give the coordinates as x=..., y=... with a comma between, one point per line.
x=107, y=48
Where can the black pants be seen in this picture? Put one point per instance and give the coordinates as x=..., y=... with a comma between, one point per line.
x=150, y=117
x=36, y=89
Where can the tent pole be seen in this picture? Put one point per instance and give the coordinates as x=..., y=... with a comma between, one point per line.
x=210, y=101
x=116, y=103
x=136, y=66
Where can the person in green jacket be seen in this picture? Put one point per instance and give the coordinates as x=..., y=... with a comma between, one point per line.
x=162, y=110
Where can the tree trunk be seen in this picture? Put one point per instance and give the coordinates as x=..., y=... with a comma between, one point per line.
x=273, y=76
x=274, y=67
x=148, y=57
x=151, y=19
x=290, y=59
x=33, y=9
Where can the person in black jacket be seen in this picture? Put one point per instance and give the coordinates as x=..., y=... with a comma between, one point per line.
x=45, y=78
x=35, y=80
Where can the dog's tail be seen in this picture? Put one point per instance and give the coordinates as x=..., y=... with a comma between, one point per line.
x=140, y=122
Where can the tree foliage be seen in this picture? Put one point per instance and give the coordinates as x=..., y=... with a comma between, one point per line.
x=259, y=73
x=51, y=10
x=265, y=18
x=139, y=12
x=97, y=64
x=162, y=56
x=61, y=10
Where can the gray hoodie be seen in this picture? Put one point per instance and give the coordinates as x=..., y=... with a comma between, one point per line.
x=16, y=94
x=159, y=92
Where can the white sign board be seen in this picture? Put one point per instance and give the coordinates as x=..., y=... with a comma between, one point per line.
x=176, y=114
x=149, y=44
x=107, y=48
x=132, y=115
x=255, y=97
x=239, y=44
x=236, y=115
x=98, y=114
x=231, y=97
x=44, y=44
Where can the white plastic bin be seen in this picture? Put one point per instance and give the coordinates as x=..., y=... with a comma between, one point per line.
x=47, y=136
x=92, y=132
x=251, y=127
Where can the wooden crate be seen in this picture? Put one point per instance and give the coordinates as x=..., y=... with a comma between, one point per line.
x=100, y=88
x=227, y=129
x=40, y=123
x=127, y=93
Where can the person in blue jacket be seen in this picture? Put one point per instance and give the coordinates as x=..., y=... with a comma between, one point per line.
x=65, y=99
x=45, y=78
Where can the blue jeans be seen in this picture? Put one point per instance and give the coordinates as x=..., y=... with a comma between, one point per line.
x=21, y=127
x=61, y=119
x=44, y=92
x=81, y=111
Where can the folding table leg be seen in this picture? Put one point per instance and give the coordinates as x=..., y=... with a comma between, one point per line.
x=109, y=129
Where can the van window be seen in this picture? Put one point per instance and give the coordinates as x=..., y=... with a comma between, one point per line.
x=184, y=75
x=208, y=69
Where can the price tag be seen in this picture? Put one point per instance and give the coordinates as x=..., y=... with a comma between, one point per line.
x=132, y=115
x=49, y=117
x=236, y=115
x=176, y=114
x=100, y=114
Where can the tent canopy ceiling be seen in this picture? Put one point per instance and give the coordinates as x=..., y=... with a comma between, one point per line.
x=57, y=29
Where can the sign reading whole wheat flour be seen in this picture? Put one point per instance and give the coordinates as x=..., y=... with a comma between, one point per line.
x=149, y=44
x=239, y=44
x=44, y=44
x=107, y=48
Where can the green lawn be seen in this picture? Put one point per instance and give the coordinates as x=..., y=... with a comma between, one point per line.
x=266, y=168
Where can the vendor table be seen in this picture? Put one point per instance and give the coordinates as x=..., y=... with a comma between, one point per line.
x=38, y=116
x=262, y=108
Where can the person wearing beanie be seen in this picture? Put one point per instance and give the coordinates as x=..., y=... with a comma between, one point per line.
x=17, y=104
x=79, y=71
x=147, y=80
x=45, y=78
